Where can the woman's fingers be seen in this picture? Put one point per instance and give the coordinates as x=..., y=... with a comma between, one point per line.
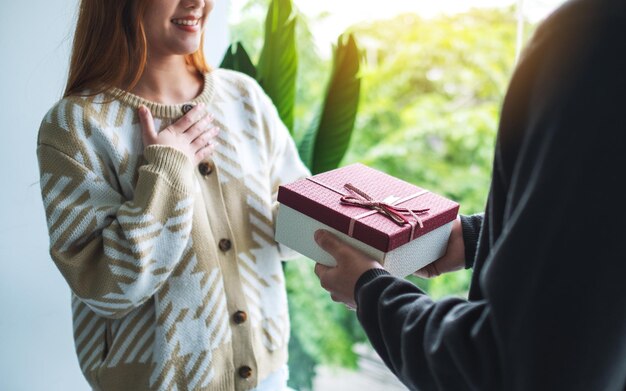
x=205, y=137
x=148, y=133
x=205, y=144
x=189, y=120
x=193, y=134
x=204, y=151
x=202, y=126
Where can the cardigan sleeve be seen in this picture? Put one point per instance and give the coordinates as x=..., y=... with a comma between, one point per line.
x=114, y=253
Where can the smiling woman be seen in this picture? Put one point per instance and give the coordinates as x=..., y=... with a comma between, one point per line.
x=35, y=324
x=125, y=41
x=158, y=219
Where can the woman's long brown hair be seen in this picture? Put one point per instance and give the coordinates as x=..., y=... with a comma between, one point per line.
x=110, y=47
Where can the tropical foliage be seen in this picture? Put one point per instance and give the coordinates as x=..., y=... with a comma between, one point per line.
x=430, y=98
x=323, y=144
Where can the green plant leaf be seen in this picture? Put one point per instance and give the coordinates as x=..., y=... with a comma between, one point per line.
x=278, y=62
x=323, y=146
x=237, y=59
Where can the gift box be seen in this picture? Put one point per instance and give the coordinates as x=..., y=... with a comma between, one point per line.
x=402, y=226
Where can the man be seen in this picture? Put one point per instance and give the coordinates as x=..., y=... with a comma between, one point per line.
x=547, y=304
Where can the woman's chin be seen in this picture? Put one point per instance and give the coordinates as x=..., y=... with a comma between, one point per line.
x=187, y=50
x=184, y=47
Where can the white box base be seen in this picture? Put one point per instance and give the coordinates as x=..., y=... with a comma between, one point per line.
x=295, y=230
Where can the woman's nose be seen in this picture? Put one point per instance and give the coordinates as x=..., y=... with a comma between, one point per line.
x=193, y=4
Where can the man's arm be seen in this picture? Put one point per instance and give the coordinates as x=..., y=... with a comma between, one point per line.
x=554, y=312
x=470, y=226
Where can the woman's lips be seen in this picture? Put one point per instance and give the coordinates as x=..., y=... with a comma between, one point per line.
x=191, y=25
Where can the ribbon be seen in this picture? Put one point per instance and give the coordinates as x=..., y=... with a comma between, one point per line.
x=359, y=198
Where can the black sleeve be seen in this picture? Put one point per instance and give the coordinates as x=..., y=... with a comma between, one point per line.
x=471, y=226
x=553, y=316
x=443, y=345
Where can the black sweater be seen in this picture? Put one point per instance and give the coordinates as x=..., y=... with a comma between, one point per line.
x=547, y=303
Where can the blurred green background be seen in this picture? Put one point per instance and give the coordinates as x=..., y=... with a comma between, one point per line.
x=430, y=99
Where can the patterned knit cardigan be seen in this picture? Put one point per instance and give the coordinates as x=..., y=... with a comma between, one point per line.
x=175, y=276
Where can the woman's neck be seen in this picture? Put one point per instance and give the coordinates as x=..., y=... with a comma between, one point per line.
x=169, y=81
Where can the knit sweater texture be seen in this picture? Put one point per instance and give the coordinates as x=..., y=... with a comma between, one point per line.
x=175, y=276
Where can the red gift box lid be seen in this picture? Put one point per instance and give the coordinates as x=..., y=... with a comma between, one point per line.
x=319, y=198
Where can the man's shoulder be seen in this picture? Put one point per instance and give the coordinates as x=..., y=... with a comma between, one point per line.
x=588, y=16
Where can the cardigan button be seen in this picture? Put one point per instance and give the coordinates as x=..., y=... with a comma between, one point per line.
x=245, y=372
x=240, y=317
x=205, y=168
x=186, y=108
x=225, y=245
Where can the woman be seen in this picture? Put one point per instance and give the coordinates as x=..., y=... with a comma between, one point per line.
x=161, y=224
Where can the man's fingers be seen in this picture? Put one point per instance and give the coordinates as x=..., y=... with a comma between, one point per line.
x=148, y=133
x=334, y=246
x=323, y=273
x=428, y=271
x=320, y=270
x=329, y=243
x=422, y=273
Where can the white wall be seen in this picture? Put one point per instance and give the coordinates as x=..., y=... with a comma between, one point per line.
x=36, y=345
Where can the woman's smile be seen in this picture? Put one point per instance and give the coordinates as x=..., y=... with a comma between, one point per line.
x=190, y=23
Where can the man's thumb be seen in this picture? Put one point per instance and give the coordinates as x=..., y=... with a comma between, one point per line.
x=148, y=133
x=328, y=242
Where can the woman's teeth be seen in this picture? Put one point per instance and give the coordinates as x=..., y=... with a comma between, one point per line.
x=185, y=22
